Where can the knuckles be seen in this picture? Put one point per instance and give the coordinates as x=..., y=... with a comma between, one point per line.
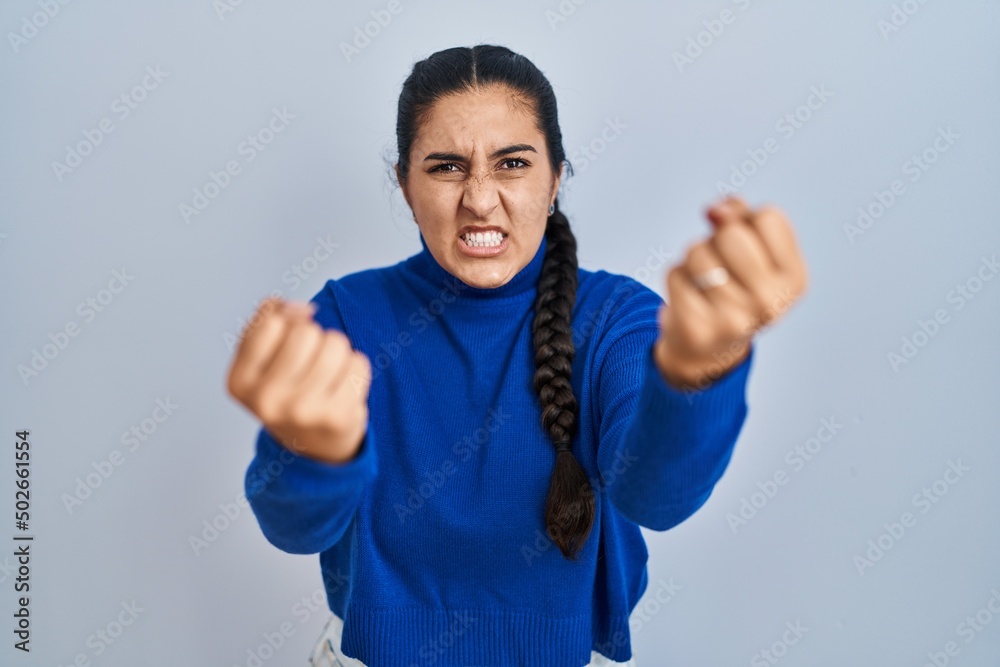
x=278, y=404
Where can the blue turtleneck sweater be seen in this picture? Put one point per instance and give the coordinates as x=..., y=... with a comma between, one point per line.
x=432, y=540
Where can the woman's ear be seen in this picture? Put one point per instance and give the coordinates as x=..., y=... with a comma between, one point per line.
x=558, y=180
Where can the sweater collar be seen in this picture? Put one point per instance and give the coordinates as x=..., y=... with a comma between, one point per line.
x=524, y=281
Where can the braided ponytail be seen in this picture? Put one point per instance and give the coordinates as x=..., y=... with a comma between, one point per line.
x=569, y=506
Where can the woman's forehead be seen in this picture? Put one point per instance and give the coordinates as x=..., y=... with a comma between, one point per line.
x=477, y=121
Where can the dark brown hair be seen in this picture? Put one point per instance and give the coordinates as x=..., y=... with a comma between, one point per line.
x=569, y=507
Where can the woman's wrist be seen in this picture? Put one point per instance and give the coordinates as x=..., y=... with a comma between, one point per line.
x=324, y=446
x=684, y=372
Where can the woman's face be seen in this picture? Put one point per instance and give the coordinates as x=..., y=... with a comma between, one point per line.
x=478, y=161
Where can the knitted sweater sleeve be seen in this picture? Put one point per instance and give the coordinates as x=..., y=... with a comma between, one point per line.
x=661, y=449
x=304, y=506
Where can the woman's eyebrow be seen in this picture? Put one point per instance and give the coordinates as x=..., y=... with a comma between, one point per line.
x=506, y=150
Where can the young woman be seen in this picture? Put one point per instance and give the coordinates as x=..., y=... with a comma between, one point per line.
x=432, y=429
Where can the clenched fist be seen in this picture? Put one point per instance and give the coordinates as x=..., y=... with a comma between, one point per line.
x=307, y=385
x=743, y=277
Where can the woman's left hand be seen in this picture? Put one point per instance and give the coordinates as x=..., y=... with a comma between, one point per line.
x=706, y=331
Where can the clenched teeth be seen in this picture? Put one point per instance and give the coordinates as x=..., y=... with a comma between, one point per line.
x=483, y=239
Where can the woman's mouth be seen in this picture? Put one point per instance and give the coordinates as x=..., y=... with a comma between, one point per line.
x=483, y=244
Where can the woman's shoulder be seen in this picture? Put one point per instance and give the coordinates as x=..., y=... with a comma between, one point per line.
x=346, y=302
x=614, y=289
x=361, y=282
x=610, y=304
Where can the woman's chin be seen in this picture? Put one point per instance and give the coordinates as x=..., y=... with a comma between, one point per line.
x=482, y=280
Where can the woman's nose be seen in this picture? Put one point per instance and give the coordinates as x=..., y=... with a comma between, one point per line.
x=481, y=196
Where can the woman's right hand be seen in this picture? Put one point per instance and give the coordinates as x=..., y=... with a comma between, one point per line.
x=307, y=385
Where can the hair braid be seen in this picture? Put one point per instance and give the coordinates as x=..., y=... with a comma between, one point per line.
x=569, y=507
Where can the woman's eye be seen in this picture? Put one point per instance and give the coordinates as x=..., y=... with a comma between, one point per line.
x=451, y=167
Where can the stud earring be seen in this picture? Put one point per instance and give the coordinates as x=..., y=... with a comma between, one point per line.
x=552, y=209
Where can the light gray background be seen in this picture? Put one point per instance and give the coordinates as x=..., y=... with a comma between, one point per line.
x=164, y=336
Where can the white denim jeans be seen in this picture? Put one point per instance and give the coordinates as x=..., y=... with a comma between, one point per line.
x=326, y=652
